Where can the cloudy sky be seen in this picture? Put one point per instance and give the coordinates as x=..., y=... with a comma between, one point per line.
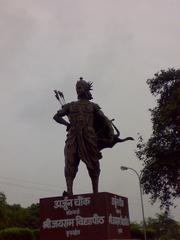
x=47, y=45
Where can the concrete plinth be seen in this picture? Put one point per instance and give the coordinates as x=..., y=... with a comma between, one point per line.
x=101, y=216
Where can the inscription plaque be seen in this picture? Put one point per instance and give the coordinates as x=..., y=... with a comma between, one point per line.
x=87, y=216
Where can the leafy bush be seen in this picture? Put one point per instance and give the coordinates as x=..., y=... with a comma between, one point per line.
x=16, y=234
x=36, y=233
x=136, y=231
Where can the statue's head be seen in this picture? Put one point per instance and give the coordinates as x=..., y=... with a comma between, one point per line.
x=83, y=89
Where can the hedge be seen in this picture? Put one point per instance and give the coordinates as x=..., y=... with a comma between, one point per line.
x=16, y=233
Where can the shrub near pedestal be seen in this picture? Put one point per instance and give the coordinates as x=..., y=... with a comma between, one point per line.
x=16, y=234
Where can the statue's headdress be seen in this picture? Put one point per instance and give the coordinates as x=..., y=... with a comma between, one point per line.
x=87, y=87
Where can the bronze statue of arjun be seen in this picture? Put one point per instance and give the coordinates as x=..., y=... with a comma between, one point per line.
x=88, y=132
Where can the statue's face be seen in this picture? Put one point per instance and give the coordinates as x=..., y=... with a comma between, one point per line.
x=80, y=89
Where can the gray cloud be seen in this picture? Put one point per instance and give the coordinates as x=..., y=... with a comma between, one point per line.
x=48, y=45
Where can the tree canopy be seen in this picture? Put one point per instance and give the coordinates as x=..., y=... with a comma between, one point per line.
x=17, y=216
x=161, y=153
x=162, y=227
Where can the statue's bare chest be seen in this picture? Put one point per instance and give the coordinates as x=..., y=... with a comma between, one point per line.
x=81, y=113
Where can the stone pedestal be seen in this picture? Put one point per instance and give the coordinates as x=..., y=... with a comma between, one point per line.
x=85, y=217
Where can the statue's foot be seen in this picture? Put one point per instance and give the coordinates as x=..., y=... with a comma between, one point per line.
x=66, y=194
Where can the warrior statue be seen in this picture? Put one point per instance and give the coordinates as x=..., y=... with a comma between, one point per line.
x=88, y=132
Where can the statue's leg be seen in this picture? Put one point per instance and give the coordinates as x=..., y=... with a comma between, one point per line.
x=69, y=184
x=94, y=175
x=95, y=184
x=71, y=168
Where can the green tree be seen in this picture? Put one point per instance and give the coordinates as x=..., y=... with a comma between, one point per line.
x=23, y=217
x=136, y=231
x=3, y=211
x=17, y=216
x=164, y=227
x=32, y=216
x=161, y=153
